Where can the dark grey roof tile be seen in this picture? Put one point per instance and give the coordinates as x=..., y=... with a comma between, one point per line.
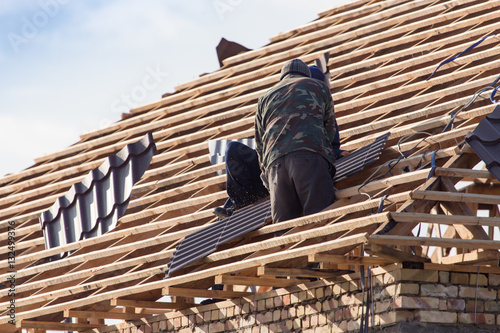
x=94, y=205
x=485, y=141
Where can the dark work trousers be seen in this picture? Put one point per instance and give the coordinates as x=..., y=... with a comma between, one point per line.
x=300, y=183
x=244, y=185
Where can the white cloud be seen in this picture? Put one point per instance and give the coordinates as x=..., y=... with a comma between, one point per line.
x=9, y=7
x=67, y=80
x=23, y=140
x=130, y=25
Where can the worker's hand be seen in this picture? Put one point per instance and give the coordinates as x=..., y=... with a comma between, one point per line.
x=345, y=153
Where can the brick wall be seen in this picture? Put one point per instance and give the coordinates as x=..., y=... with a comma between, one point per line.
x=402, y=300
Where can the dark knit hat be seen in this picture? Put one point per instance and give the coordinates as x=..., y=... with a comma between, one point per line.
x=295, y=66
x=316, y=73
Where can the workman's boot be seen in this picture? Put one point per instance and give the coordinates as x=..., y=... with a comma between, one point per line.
x=222, y=212
x=226, y=210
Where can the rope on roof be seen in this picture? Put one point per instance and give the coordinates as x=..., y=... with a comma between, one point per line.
x=472, y=100
x=458, y=55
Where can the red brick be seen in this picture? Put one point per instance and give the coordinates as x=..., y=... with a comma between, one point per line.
x=456, y=304
x=215, y=315
x=276, y=315
x=313, y=308
x=253, y=306
x=306, y=322
x=341, y=327
x=247, y=321
x=230, y=312
x=393, y=317
x=216, y=327
x=354, y=285
x=376, y=320
x=416, y=275
x=378, y=280
x=413, y=302
x=297, y=323
x=443, y=305
x=494, y=280
x=482, y=293
x=346, y=314
x=319, y=293
x=146, y=329
x=177, y=322
x=478, y=318
x=350, y=299
x=389, y=278
x=459, y=278
x=201, y=329
x=238, y=309
x=232, y=324
x=327, y=305
x=491, y=306
x=383, y=306
x=338, y=315
x=294, y=298
x=199, y=318
x=336, y=290
x=287, y=326
x=170, y=323
x=269, y=303
x=301, y=311
x=438, y=290
x=286, y=299
x=353, y=311
x=388, y=292
x=482, y=280
x=261, y=305
x=444, y=277
x=436, y=317
x=353, y=325
x=322, y=329
x=473, y=306
x=314, y=320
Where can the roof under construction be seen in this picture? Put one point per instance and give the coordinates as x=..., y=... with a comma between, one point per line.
x=425, y=71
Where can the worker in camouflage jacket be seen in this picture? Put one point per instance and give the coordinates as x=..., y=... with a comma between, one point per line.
x=294, y=129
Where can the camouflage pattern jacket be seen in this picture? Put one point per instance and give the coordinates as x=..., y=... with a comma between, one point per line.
x=295, y=114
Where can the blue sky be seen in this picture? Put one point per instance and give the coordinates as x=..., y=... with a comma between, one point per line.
x=72, y=66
